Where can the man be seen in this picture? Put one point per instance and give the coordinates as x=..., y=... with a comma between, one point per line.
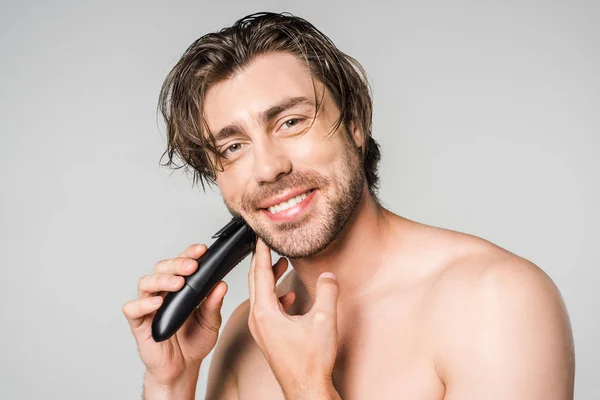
x=376, y=306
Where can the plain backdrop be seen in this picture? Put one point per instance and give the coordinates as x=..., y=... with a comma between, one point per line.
x=487, y=114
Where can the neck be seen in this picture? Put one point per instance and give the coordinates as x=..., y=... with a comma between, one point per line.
x=354, y=257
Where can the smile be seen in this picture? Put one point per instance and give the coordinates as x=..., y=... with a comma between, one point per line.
x=290, y=209
x=285, y=205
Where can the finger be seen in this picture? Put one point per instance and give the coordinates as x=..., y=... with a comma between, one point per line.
x=287, y=300
x=194, y=251
x=279, y=268
x=184, y=264
x=150, y=285
x=136, y=310
x=326, y=297
x=209, y=312
x=176, y=266
x=264, y=280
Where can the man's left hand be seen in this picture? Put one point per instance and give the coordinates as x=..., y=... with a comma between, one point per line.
x=300, y=349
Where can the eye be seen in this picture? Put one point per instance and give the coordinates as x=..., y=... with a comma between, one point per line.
x=231, y=149
x=290, y=123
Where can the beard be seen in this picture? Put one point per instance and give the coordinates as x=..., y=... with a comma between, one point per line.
x=314, y=232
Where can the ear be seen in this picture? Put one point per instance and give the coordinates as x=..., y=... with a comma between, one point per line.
x=356, y=134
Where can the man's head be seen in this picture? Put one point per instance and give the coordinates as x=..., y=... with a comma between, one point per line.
x=270, y=109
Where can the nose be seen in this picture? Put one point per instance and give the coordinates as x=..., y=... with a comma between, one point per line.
x=270, y=161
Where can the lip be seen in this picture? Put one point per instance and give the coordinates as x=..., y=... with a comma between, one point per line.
x=285, y=196
x=292, y=213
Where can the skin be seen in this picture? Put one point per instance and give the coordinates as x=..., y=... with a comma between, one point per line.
x=390, y=309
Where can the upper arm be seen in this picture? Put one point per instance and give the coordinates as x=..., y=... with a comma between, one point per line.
x=507, y=336
x=222, y=381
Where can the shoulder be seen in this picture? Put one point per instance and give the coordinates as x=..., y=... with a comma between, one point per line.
x=495, y=313
x=488, y=272
x=488, y=276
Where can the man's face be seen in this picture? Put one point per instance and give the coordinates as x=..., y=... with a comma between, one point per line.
x=295, y=184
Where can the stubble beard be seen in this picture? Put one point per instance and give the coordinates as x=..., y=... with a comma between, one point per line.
x=311, y=234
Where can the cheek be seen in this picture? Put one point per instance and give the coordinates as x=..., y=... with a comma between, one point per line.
x=232, y=186
x=317, y=154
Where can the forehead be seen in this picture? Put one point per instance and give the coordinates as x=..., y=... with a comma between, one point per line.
x=266, y=80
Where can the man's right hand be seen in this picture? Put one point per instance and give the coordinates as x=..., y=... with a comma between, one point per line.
x=171, y=362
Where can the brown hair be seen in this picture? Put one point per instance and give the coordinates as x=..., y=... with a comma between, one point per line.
x=217, y=56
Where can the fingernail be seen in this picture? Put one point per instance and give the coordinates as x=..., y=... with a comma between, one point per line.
x=329, y=275
x=156, y=300
x=175, y=280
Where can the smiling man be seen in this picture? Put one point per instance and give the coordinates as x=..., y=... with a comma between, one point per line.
x=376, y=306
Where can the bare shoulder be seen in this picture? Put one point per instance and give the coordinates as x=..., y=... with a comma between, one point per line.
x=500, y=319
x=492, y=275
x=483, y=268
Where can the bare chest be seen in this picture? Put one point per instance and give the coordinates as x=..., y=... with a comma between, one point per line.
x=385, y=353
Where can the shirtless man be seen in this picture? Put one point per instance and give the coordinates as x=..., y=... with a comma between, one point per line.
x=376, y=306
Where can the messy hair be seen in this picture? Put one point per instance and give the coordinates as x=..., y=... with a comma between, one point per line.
x=217, y=56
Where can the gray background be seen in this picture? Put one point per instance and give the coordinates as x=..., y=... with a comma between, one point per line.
x=487, y=114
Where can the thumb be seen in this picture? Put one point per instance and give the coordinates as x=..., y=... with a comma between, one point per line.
x=209, y=312
x=327, y=294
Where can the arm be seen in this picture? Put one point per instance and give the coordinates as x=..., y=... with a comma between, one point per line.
x=184, y=390
x=510, y=337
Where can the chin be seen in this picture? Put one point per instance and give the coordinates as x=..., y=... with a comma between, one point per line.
x=296, y=249
x=306, y=239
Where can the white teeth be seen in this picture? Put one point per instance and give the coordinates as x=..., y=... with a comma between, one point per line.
x=284, y=205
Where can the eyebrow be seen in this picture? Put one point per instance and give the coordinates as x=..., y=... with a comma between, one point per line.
x=266, y=116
